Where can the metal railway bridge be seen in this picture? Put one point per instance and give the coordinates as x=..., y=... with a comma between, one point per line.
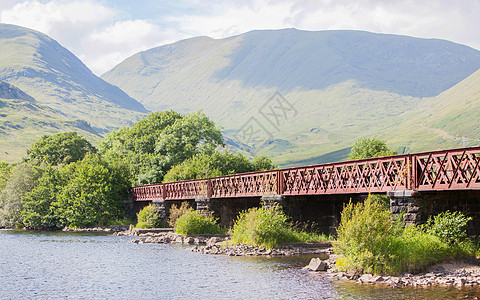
x=454, y=169
x=411, y=174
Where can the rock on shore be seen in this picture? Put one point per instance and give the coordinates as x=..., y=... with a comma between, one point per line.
x=217, y=244
x=113, y=228
x=222, y=248
x=457, y=273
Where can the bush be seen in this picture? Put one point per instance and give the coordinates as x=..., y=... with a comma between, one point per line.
x=191, y=222
x=94, y=193
x=448, y=226
x=368, y=148
x=23, y=179
x=263, y=227
x=176, y=212
x=371, y=242
x=149, y=218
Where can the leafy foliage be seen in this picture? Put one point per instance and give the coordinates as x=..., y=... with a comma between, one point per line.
x=448, y=226
x=368, y=148
x=5, y=170
x=94, y=193
x=149, y=218
x=61, y=148
x=22, y=180
x=263, y=227
x=191, y=222
x=39, y=210
x=176, y=212
x=371, y=242
x=158, y=142
x=205, y=165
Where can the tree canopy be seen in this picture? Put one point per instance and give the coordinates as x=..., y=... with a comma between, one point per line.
x=63, y=181
x=217, y=164
x=160, y=141
x=61, y=148
x=368, y=148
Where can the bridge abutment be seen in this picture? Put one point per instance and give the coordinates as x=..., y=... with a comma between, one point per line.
x=161, y=209
x=272, y=201
x=406, y=204
x=203, y=206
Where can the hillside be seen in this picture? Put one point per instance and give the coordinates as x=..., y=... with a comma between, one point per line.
x=338, y=85
x=55, y=77
x=448, y=120
x=23, y=120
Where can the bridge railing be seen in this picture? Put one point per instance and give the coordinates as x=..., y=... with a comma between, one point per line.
x=448, y=169
x=245, y=185
x=437, y=170
x=360, y=176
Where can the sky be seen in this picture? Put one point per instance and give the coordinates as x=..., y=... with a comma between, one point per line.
x=102, y=33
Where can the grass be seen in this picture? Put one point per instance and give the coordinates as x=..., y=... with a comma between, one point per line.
x=191, y=222
x=370, y=242
x=29, y=121
x=269, y=228
x=149, y=218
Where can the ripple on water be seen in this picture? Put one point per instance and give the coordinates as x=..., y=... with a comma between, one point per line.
x=85, y=265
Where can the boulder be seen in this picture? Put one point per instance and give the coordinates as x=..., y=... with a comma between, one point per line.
x=316, y=264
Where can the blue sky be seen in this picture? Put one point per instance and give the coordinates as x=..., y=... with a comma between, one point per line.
x=104, y=32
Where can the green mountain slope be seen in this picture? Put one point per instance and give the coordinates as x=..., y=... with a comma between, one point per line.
x=52, y=75
x=338, y=86
x=448, y=120
x=23, y=120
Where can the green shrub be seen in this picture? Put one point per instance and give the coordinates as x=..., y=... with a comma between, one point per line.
x=369, y=241
x=263, y=227
x=191, y=222
x=176, y=212
x=448, y=226
x=149, y=218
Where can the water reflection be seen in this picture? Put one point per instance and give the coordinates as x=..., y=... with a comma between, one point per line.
x=84, y=265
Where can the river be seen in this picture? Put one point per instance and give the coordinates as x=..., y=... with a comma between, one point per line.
x=57, y=265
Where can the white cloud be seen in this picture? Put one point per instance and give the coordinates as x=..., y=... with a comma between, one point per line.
x=126, y=38
x=103, y=36
x=457, y=21
x=89, y=29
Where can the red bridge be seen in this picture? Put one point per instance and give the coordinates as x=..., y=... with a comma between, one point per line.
x=454, y=169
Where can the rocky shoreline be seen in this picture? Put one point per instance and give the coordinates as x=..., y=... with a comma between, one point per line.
x=455, y=273
x=113, y=228
x=217, y=244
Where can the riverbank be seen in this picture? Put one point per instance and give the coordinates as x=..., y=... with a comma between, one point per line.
x=217, y=244
x=112, y=228
x=453, y=273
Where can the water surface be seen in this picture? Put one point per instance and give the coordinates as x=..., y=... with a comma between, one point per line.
x=57, y=265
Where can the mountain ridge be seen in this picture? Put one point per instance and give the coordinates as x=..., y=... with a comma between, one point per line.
x=346, y=84
x=54, y=76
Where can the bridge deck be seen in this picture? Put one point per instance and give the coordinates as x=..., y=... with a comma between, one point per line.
x=453, y=169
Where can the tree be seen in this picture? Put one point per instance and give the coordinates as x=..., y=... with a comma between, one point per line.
x=158, y=142
x=61, y=148
x=94, y=193
x=218, y=163
x=368, y=148
x=22, y=180
x=38, y=211
x=5, y=170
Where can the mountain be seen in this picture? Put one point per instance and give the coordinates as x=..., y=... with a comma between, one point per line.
x=23, y=120
x=55, y=77
x=307, y=95
x=448, y=120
